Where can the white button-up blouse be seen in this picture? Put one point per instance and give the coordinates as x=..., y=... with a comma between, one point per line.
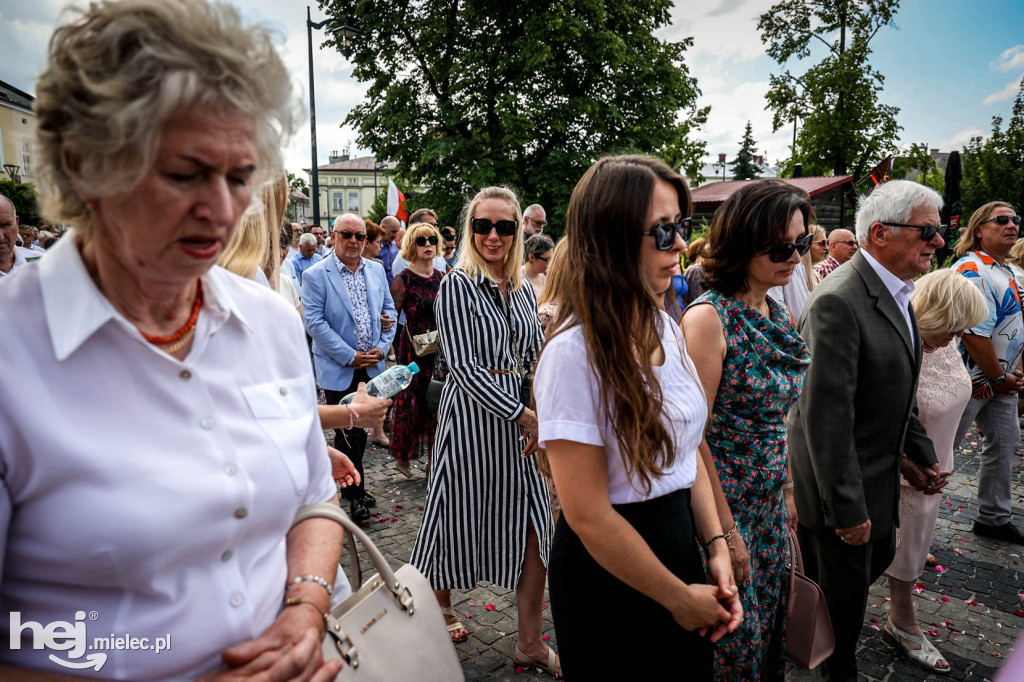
x=149, y=493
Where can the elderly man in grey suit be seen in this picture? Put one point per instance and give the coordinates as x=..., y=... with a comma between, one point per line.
x=854, y=429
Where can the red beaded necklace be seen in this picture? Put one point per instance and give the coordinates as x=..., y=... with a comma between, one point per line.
x=189, y=325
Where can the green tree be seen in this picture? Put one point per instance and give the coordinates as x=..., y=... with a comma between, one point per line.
x=993, y=167
x=23, y=196
x=685, y=153
x=846, y=130
x=297, y=183
x=744, y=167
x=467, y=94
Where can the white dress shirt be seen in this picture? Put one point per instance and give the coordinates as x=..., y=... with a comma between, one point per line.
x=568, y=395
x=151, y=492
x=22, y=257
x=899, y=288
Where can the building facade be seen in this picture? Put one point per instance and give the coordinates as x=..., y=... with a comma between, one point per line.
x=351, y=185
x=17, y=133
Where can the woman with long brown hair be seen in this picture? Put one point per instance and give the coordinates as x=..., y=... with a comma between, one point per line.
x=621, y=413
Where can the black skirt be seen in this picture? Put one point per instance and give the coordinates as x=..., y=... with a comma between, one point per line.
x=604, y=627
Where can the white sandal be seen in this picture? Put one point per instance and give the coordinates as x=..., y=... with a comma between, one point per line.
x=926, y=657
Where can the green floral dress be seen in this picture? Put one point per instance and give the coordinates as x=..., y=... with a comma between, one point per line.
x=762, y=375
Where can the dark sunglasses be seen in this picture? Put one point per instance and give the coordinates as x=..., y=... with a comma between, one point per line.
x=423, y=241
x=928, y=232
x=505, y=228
x=780, y=253
x=358, y=236
x=1003, y=219
x=665, y=234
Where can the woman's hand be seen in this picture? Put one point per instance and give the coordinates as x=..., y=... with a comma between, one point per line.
x=371, y=411
x=528, y=420
x=287, y=650
x=740, y=557
x=342, y=468
x=720, y=574
x=700, y=609
x=791, y=518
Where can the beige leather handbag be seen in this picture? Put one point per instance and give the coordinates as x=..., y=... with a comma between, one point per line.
x=809, y=637
x=391, y=628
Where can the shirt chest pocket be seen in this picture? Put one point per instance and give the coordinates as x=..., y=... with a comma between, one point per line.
x=286, y=411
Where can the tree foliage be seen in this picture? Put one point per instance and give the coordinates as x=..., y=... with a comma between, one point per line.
x=23, y=196
x=994, y=167
x=846, y=130
x=467, y=94
x=297, y=183
x=685, y=153
x=744, y=166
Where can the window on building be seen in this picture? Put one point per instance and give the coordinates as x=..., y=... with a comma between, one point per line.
x=353, y=202
x=339, y=201
x=353, y=181
x=26, y=157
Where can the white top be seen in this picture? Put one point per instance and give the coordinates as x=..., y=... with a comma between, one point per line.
x=286, y=288
x=22, y=257
x=288, y=270
x=160, y=497
x=567, y=392
x=795, y=294
x=900, y=289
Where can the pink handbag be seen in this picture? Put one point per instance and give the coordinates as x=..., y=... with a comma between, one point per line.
x=809, y=638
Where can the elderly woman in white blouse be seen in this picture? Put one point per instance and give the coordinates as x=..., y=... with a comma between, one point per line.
x=188, y=432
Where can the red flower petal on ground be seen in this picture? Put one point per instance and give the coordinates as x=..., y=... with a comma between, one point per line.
x=489, y=607
x=939, y=569
x=546, y=637
x=1019, y=612
x=945, y=598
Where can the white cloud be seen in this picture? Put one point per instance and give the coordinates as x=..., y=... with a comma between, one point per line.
x=1010, y=59
x=727, y=31
x=731, y=108
x=957, y=140
x=1009, y=92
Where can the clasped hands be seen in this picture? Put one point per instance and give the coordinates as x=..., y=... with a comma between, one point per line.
x=367, y=358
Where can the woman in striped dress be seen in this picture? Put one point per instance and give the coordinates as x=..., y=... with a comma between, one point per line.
x=487, y=515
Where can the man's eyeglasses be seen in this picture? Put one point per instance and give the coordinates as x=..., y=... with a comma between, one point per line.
x=505, y=228
x=665, y=233
x=1003, y=220
x=538, y=223
x=542, y=258
x=928, y=232
x=431, y=223
x=423, y=241
x=780, y=253
x=849, y=242
x=345, y=234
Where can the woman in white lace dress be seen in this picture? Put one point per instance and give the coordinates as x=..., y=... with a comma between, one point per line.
x=945, y=304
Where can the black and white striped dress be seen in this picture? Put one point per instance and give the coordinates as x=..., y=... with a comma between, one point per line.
x=483, y=495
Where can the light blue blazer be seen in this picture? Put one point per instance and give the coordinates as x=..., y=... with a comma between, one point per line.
x=328, y=317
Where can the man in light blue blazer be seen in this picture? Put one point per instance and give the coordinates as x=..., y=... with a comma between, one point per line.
x=343, y=299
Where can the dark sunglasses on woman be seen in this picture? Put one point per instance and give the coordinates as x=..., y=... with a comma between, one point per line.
x=665, y=233
x=1004, y=220
x=780, y=253
x=505, y=228
x=423, y=241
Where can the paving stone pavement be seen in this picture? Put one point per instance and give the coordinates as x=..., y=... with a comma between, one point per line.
x=972, y=604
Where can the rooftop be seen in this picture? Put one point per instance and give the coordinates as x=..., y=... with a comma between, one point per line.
x=717, y=192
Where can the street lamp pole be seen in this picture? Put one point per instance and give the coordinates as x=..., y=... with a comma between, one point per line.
x=347, y=33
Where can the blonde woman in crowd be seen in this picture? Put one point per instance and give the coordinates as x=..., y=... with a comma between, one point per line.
x=945, y=304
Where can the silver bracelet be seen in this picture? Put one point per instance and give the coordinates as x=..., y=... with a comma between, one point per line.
x=311, y=578
x=789, y=486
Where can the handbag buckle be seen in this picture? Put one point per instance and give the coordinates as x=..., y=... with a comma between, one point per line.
x=404, y=598
x=343, y=643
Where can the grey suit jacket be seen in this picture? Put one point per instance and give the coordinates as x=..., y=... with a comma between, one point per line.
x=857, y=413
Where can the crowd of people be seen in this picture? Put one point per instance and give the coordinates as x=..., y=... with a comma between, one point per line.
x=643, y=439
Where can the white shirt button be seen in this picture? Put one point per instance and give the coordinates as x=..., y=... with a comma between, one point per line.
x=231, y=469
x=236, y=600
x=185, y=375
x=226, y=556
x=241, y=513
x=283, y=390
x=206, y=422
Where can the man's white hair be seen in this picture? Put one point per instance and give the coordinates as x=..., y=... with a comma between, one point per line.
x=308, y=240
x=893, y=202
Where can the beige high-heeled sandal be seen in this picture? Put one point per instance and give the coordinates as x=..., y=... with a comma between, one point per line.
x=926, y=657
x=551, y=667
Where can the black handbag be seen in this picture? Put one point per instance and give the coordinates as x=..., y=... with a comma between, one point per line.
x=437, y=379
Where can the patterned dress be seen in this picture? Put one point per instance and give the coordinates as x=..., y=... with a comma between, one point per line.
x=762, y=374
x=413, y=431
x=483, y=496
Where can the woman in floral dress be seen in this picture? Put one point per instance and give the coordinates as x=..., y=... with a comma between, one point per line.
x=414, y=291
x=751, y=362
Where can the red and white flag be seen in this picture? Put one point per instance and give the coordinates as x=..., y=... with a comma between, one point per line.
x=396, y=202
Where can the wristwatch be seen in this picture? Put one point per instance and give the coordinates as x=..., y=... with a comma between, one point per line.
x=1001, y=379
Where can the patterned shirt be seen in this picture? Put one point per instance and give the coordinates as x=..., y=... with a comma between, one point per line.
x=826, y=266
x=1003, y=324
x=355, y=283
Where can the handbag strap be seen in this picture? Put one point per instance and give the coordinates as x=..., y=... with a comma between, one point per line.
x=334, y=513
x=796, y=565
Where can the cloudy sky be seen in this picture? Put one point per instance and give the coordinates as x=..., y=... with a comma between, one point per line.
x=950, y=66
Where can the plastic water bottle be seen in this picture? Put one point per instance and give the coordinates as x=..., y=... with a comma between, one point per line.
x=388, y=383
